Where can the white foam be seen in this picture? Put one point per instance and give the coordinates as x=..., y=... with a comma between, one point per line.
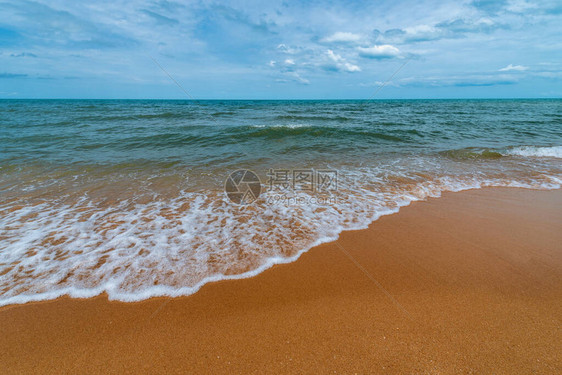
x=173, y=246
x=281, y=126
x=530, y=151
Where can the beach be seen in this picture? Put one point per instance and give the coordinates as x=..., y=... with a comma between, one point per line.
x=470, y=282
x=284, y=187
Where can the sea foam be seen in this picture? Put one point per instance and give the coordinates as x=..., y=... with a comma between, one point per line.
x=172, y=247
x=551, y=152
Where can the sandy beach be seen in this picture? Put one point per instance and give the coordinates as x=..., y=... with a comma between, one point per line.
x=467, y=283
x=281, y=187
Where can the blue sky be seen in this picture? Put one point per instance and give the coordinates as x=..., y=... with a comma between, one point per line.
x=280, y=49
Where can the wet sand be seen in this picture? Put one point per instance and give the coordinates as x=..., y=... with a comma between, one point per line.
x=467, y=283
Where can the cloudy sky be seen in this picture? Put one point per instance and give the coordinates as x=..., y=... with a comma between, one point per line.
x=280, y=49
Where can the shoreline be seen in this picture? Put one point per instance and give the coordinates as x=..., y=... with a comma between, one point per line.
x=464, y=270
x=102, y=291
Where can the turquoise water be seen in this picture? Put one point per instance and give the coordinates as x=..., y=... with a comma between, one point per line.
x=222, y=133
x=127, y=197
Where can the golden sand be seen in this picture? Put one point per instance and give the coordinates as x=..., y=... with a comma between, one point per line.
x=467, y=283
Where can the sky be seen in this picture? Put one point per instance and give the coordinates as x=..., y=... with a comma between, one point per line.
x=246, y=49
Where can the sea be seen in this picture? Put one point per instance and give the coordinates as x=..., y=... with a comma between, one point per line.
x=146, y=198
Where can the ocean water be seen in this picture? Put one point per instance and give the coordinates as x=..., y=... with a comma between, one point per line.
x=128, y=197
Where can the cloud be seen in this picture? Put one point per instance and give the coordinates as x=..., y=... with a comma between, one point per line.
x=466, y=80
x=489, y=6
x=168, y=6
x=46, y=25
x=483, y=84
x=421, y=33
x=289, y=50
x=296, y=77
x=499, y=6
x=217, y=13
x=23, y=54
x=338, y=63
x=291, y=76
x=459, y=27
x=520, y=6
x=510, y=67
x=159, y=18
x=342, y=37
x=548, y=70
x=449, y=29
x=217, y=48
x=299, y=62
x=384, y=51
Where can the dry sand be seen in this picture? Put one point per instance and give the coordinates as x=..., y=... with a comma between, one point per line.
x=467, y=283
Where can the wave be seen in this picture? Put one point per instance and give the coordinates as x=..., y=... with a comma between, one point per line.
x=534, y=151
x=173, y=246
x=294, y=117
x=472, y=153
x=147, y=116
x=332, y=132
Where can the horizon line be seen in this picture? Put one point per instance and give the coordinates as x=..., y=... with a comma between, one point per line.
x=299, y=99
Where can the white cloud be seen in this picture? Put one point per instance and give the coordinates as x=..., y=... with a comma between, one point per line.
x=422, y=32
x=342, y=37
x=510, y=67
x=339, y=63
x=464, y=80
x=286, y=49
x=383, y=51
x=520, y=6
x=297, y=78
x=352, y=68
